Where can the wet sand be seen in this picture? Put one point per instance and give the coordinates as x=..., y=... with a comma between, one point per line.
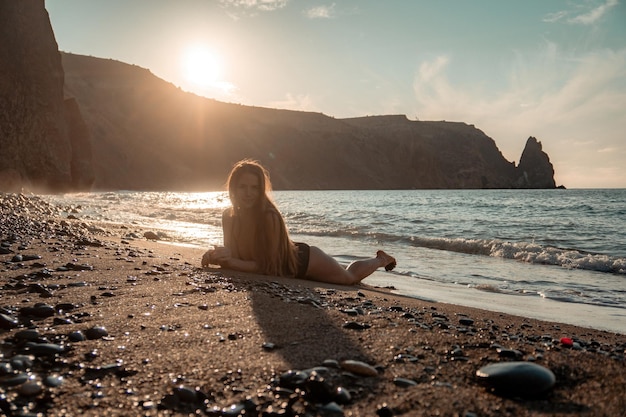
x=176, y=339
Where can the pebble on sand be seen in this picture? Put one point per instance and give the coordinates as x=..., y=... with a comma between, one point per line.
x=359, y=368
x=523, y=379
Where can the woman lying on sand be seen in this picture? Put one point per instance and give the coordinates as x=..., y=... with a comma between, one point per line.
x=256, y=238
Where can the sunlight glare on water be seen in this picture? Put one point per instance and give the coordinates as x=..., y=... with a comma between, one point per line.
x=193, y=218
x=188, y=218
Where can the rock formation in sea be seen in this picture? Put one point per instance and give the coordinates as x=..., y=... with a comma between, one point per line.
x=148, y=134
x=535, y=167
x=43, y=140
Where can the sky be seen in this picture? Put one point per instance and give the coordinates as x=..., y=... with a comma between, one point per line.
x=552, y=69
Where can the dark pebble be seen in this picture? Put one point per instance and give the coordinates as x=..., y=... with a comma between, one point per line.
x=331, y=363
x=8, y=322
x=384, y=411
x=44, y=349
x=5, y=368
x=65, y=307
x=404, y=382
x=53, y=381
x=269, y=346
x=77, y=284
x=13, y=380
x=402, y=357
x=509, y=353
x=466, y=321
x=38, y=310
x=96, y=332
x=353, y=325
x=523, y=379
x=22, y=362
x=350, y=312
x=74, y=267
x=76, y=336
x=243, y=408
x=342, y=395
x=185, y=394
x=39, y=289
x=151, y=235
x=30, y=389
x=292, y=378
x=91, y=355
x=456, y=352
x=61, y=321
x=332, y=408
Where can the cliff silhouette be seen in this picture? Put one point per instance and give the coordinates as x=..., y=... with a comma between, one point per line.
x=44, y=143
x=146, y=134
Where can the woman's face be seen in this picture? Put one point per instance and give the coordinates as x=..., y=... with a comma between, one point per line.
x=248, y=191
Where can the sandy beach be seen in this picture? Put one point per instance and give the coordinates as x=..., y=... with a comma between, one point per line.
x=164, y=337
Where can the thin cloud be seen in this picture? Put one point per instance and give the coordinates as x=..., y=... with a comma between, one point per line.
x=586, y=17
x=595, y=14
x=262, y=5
x=321, y=12
x=432, y=70
x=555, y=17
x=608, y=150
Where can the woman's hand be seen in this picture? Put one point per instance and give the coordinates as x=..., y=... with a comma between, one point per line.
x=223, y=257
x=219, y=256
x=206, y=258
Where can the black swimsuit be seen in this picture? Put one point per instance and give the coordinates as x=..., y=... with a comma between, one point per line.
x=304, y=252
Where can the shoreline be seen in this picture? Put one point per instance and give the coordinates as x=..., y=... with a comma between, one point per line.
x=613, y=319
x=181, y=339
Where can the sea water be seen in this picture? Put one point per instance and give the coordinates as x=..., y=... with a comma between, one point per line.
x=557, y=255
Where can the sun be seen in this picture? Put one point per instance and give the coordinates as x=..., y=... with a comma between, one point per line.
x=201, y=66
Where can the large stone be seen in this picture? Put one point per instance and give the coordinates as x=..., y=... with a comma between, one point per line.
x=518, y=379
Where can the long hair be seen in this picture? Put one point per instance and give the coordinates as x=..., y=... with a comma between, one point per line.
x=284, y=262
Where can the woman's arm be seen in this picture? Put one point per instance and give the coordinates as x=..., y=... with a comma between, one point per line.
x=223, y=257
x=227, y=256
x=218, y=254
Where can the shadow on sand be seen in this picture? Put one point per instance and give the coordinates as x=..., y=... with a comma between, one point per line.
x=295, y=317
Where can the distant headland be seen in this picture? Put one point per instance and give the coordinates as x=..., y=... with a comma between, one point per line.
x=76, y=123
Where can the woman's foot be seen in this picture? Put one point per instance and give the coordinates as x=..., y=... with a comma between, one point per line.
x=388, y=261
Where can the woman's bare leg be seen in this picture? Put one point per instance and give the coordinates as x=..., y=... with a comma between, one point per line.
x=366, y=267
x=325, y=268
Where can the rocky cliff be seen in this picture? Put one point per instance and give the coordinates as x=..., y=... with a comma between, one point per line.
x=149, y=134
x=43, y=141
